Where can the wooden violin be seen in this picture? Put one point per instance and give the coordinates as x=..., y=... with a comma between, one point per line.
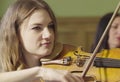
x=105, y=67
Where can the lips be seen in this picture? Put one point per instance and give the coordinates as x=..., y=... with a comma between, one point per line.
x=118, y=38
x=46, y=43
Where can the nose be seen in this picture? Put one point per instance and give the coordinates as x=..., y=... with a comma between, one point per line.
x=46, y=33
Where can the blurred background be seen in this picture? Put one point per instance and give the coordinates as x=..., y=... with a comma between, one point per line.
x=77, y=19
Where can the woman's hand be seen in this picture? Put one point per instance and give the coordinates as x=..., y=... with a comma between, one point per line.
x=53, y=75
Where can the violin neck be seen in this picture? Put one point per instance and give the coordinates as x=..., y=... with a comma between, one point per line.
x=107, y=62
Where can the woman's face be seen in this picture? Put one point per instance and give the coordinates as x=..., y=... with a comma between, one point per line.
x=37, y=35
x=114, y=34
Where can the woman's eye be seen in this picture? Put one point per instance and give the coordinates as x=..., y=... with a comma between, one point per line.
x=51, y=25
x=37, y=28
x=115, y=26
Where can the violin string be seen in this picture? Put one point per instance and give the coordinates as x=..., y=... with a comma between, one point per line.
x=92, y=57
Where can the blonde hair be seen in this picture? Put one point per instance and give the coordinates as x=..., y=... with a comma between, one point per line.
x=10, y=48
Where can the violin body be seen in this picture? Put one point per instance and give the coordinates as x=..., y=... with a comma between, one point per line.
x=109, y=74
x=95, y=74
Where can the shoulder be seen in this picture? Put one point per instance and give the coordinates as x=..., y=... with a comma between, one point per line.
x=68, y=48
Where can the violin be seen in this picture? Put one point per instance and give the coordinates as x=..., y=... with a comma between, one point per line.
x=93, y=67
x=105, y=67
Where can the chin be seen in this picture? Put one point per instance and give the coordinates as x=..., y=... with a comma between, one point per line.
x=117, y=45
x=46, y=53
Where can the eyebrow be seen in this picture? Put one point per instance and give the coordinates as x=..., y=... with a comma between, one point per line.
x=42, y=24
x=37, y=24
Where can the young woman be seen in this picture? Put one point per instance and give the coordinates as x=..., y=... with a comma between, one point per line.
x=112, y=38
x=109, y=49
x=28, y=35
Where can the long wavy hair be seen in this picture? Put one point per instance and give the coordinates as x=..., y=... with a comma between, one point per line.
x=10, y=47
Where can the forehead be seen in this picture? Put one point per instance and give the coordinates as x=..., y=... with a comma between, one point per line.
x=117, y=19
x=40, y=16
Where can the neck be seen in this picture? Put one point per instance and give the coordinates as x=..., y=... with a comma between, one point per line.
x=114, y=46
x=31, y=60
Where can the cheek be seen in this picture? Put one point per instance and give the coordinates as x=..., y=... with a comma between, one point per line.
x=28, y=40
x=112, y=36
x=53, y=35
x=111, y=33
